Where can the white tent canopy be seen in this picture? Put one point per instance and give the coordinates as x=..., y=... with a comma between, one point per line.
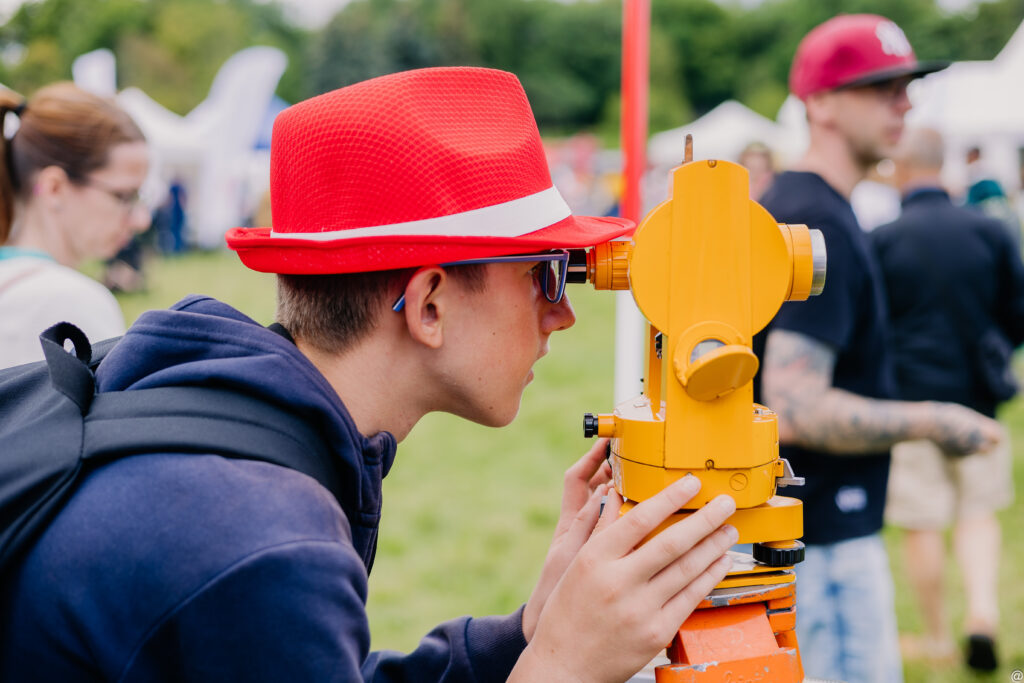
x=978, y=104
x=722, y=133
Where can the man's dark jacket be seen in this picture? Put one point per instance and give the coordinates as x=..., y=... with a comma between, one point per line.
x=938, y=261
x=200, y=568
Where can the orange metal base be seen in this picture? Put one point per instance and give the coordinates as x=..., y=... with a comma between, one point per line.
x=746, y=636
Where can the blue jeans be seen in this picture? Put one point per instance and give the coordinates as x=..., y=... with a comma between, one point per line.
x=845, y=615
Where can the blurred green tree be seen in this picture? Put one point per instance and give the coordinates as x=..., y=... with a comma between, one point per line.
x=169, y=48
x=567, y=54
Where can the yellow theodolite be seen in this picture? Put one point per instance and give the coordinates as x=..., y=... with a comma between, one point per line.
x=709, y=268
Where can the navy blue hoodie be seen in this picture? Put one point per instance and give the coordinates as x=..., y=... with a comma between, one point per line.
x=200, y=568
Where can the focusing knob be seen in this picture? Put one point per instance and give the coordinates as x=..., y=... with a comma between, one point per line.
x=589, y=425
x=779, y=553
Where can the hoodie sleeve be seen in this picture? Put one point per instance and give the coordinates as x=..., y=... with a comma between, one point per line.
x=296, y=612
x=464, y=649
x=292, y=612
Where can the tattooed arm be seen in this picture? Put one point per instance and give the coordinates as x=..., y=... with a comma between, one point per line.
x=797, y=384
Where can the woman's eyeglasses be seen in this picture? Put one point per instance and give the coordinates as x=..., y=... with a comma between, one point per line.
x=128, y=199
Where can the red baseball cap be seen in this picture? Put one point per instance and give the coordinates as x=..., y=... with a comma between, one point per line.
x=851, y=50
x=413, y=168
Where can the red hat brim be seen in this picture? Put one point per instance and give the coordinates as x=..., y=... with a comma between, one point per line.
x=259, y=251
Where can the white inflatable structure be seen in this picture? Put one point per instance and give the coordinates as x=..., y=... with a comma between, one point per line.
x=213, y=146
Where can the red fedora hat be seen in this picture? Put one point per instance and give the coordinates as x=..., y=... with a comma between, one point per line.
x=409, y=169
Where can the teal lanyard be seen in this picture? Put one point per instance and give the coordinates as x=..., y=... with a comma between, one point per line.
x=18, y=252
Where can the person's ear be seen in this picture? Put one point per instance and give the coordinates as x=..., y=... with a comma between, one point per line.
x=820, y=107
x=50, y=186
x=426, y=299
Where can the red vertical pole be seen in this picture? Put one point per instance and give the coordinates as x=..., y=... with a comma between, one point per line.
x=636, y=34
x=630, y=340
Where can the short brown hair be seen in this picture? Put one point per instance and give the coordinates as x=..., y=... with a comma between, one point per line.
x=61, y=125
x=333, y=312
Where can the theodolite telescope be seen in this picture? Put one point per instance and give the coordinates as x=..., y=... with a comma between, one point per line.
x=709, y=268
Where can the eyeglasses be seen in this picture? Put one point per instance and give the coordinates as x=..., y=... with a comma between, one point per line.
x=128, y=199
x=549, y=273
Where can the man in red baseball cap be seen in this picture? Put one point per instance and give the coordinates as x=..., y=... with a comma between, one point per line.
x=825, y=367
x=421, y=253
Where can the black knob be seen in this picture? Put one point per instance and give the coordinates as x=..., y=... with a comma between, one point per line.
x=779, y=557
x=589, y=425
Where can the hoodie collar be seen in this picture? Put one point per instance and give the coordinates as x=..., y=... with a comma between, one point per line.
x=202, y=342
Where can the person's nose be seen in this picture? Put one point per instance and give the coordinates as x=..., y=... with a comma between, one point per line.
x=558, y=316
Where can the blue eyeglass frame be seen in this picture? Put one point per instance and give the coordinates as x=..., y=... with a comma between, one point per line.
x=560, y=255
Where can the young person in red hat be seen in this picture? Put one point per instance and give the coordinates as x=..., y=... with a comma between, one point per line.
x=420, y=245
x=825, y=364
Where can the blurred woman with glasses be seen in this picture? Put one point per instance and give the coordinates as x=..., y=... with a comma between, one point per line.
x=69, y=192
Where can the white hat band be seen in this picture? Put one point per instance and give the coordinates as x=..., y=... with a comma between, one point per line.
x=508, y=219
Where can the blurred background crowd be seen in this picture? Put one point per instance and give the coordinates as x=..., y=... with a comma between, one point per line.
x=205, y=78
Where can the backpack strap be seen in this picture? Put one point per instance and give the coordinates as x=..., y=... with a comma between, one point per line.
x=195, y=420
x=53, y=442
x=70, y=375
x=204, y=420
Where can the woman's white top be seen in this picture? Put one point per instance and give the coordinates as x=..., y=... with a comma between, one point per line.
x=36, y=292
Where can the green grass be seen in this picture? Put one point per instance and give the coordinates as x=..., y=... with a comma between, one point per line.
x=217, y=273
x=469, y=511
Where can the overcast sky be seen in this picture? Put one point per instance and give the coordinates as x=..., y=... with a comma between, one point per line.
x=315, y=12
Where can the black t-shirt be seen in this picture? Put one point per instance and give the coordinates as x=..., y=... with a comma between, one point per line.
x=844, y=495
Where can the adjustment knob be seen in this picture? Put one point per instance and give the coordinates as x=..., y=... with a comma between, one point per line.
x=779, y=553
x=590, y=423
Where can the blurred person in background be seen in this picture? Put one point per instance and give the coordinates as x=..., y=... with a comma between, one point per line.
x=825, y=368
x=986, y=194
x=171, y=237
x=69, y=192
x=952, y=276
x=124, y=272
x=759, y=161
x=974, y=166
